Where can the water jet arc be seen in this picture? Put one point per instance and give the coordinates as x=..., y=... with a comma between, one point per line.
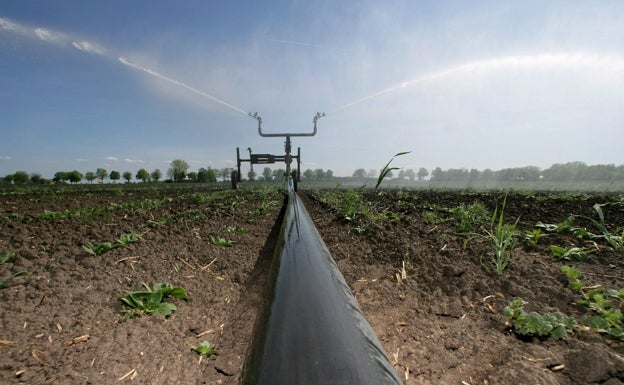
x=311, y=330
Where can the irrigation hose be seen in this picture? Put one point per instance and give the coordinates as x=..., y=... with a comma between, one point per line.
x=310, y=330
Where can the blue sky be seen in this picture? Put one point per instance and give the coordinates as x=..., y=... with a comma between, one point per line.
x=126, y=85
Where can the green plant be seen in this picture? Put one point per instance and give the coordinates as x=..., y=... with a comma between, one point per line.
x=218, y=241
x=127, y=239
x=607, y=318
x=104, y=247
x=6, y=256
x=98, y=249
x=150, y=300
x=554, y=325
x=557, y=227
x=569, y=253
x=533, y=236
x=469, y=217
x=204, y=349
x=387, y=169
x=6, y=281
x=614, y=240
x=264, y=207
x=503, y=237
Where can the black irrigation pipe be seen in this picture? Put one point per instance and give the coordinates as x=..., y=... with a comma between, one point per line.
x=311, y=330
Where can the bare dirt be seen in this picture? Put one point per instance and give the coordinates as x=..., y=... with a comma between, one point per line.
x=442, y=324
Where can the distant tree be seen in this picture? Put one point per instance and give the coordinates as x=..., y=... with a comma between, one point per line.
x=251, y=175
x=389, y=174
x=142, y=175
x=371, y=174
x=178, y=170
x=74, y=176
x=437, y=174
x=35, y=178
x=60, y=177
x=156, y=175
x=206, y=175
x=21, y=177
x=410, y=174
x=360, y=173
x=9, y=178
x=309, y=174
x=192, y=176
x=329, y=174
x=114, y=175
x=90, y=176
x=422, y=174
x=279, y=174
x=225, y=173
x=102, y=174
x=401, y=175
x=127, y=175
x=320, y=174
x=267, y=174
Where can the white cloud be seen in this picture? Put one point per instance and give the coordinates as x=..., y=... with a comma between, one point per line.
x=112, y=158
x=5, y=157
x=128, y=160
x=81, y=160
x=51, y=36
x=88, y=47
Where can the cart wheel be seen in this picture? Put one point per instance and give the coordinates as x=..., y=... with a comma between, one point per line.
x=234, y=180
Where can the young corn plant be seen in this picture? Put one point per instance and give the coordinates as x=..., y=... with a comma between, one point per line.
x=151, y=300
x=387, y=169
x=503, y=238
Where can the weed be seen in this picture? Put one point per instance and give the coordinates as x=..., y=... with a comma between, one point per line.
x=467, y=218
x=614, y=240
x=6, y=281
x=204, y=349
x=126, y=239
x=557, y=227
x=264, y=207
x=387, y=169
x=570, y=253
x=503, y=238
x=150, y=300
x=218, y=241
x=554, y=325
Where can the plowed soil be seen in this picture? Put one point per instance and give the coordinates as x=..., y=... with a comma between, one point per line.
x=441, y=323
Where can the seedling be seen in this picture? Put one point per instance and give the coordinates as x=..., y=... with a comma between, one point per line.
x=150, y=301
x=204, y=349
x=6, y=281
x=98, y=249
x=607, y=318
x=570, y=253
x=503, y=237
x=235, y=229
x=554, y=325
x=126, y=239
x=218, y=241
x=533, y=236
x=387, y=169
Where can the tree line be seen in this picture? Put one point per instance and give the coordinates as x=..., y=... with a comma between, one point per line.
x=179, y=172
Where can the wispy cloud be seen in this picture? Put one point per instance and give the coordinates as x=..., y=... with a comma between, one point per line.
x=5, y=157
x=81, y=160
x=128, y=160
x=112, y=158
x=51, y=36
x=88, y=47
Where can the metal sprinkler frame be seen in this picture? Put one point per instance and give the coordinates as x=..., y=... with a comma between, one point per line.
x=287, y=158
